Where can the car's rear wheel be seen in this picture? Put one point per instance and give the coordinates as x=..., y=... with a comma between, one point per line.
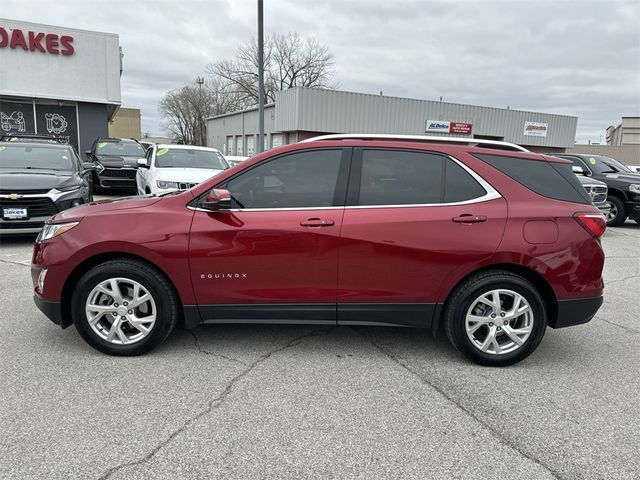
x=618, y=213
x=124, y=307
x=496, y=318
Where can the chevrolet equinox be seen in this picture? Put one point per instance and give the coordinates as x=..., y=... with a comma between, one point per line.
x=483, y=240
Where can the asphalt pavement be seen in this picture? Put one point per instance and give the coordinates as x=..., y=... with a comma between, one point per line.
x=239, y=402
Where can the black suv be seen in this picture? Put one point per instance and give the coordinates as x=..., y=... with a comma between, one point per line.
x=623, y=184
x=38, y=180
x=116, y=162
x=597, y=190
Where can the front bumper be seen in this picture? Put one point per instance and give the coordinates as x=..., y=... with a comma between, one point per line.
x=116, y=178
x=604, y=208
x=39, y=209
x=52, y=310
x=633, y=209
x=576, y=312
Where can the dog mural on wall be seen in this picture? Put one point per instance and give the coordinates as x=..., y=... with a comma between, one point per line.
x=13, y=123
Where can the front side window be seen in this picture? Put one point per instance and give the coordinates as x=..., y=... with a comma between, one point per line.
x=300, y=180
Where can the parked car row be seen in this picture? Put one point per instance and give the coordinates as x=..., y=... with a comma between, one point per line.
x=622, y=182
x=40, y=177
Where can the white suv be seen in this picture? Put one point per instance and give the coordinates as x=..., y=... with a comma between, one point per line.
x=177, y=167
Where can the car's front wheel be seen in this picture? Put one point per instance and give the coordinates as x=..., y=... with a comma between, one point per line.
x=496, y=318
x=124, y=307
x=618, y=213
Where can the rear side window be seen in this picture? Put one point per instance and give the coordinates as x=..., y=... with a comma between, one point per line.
x=551, y=180
x=395, y=177
x=459, y=186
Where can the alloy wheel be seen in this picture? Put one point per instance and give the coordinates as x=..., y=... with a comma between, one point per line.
x=499, y=321
x=121, y=311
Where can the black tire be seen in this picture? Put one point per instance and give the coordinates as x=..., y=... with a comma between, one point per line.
x=157, y=285
x=620, y=210
x=462, y=299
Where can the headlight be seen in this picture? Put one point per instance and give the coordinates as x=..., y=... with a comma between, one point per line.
x=163, y=184
x=68, y=188
x=99, y=167
x=51, y=230
x=634, y=188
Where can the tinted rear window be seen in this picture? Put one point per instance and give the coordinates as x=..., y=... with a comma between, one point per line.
x=459, y=186
x=551, y=180
x=395, y=177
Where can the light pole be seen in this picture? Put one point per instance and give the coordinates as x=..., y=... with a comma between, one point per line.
x=260, y=80
x=201, y=140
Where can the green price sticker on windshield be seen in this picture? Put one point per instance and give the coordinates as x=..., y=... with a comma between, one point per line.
x=2, y=148
x=102, y=144
x=13, y=139
x=592, y=160
x=161, y=152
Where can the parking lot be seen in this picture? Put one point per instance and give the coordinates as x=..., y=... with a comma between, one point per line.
x=317, y=402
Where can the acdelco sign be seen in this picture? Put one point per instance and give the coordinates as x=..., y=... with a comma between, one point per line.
x=37, y=41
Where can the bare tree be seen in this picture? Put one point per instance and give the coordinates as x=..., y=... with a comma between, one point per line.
x=289, y=61
x=187, y=108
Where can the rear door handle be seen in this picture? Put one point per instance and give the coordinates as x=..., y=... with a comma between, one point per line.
x=316, y=222
x=468, y=218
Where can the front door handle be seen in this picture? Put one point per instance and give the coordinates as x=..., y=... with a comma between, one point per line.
x=468, y=218
x=316, y=222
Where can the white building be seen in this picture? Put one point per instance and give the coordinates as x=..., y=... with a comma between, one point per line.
x=58, y=81
x=300, y=113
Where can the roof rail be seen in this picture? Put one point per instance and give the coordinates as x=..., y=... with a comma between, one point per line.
x=420, y=138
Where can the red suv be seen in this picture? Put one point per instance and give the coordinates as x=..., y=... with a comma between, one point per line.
x=481, y=239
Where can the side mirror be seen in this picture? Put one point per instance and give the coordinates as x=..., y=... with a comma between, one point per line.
x=87, y=152
x=88, y=166
x=217, y=199
x=142, y=162
x=578, y=170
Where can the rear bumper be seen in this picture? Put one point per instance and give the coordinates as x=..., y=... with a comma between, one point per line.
x=576, y=312
x=52, y=310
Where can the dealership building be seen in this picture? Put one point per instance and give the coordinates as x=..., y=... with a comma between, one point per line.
x=300, y=113
x=58, y=81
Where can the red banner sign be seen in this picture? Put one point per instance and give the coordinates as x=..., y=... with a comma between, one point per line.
x=460, y=127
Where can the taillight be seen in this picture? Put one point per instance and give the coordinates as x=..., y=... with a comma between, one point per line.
x=594, y=223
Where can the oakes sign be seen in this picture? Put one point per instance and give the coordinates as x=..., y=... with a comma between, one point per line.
x=36, y=41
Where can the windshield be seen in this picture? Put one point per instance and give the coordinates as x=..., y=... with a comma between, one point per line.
x=600, y=164
x=128, y=149
x=185, y=158
x=28, y=157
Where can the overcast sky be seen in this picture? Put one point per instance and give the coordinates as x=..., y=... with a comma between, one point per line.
x=577, y=58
